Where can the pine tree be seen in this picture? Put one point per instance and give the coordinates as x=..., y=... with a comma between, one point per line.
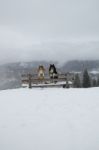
x=77, y=83
x=86, y=79
x=94, y=83
x=98, y=81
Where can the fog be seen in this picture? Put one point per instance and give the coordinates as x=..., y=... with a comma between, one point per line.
x=58, y=30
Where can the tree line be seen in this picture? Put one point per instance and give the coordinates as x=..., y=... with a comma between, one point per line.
x=86, y=81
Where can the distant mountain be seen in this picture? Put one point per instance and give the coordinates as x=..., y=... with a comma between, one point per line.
x=10, y=74
x=79, y=66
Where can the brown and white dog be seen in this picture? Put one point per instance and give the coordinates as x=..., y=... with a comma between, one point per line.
x=41, y=72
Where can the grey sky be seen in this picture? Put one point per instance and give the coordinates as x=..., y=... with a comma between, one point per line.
x=49, y=29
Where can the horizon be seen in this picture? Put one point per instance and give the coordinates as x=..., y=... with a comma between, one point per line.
x=51, y=62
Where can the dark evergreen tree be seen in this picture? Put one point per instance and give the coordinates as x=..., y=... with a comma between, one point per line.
x=98, y=81
x=86, y=79
x=77, y=83
x=94, y=83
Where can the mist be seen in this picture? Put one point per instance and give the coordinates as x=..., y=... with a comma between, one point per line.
x=49, y=30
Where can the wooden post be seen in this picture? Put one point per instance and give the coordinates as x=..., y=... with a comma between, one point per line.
x=30, y=81
x=67, y=84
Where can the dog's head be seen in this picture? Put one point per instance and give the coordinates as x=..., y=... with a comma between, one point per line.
x=51, y=68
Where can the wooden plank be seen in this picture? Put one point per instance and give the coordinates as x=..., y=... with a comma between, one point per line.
x=46, y=86
x=44, y=80
x=46, y=75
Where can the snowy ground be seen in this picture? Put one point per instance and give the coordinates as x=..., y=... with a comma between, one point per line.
x=49, y=119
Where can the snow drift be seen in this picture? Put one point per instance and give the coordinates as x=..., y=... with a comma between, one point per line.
x=49, y=119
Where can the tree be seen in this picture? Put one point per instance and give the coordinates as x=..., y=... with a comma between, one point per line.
x=86, y=79
x=98, y=81
x=77, y=83
x=94, y=83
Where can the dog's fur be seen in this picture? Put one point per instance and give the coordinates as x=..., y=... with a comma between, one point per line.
x=41, y=72
x=52, y=72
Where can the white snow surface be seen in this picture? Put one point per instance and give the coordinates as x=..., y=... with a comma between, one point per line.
x=49, y=119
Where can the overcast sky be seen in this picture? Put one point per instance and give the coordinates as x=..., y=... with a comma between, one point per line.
x=49, y=29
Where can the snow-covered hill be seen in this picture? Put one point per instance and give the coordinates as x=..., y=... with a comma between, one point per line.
x=49, y=119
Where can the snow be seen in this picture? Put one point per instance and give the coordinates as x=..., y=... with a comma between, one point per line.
x=60, y=83
x=49, y=119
